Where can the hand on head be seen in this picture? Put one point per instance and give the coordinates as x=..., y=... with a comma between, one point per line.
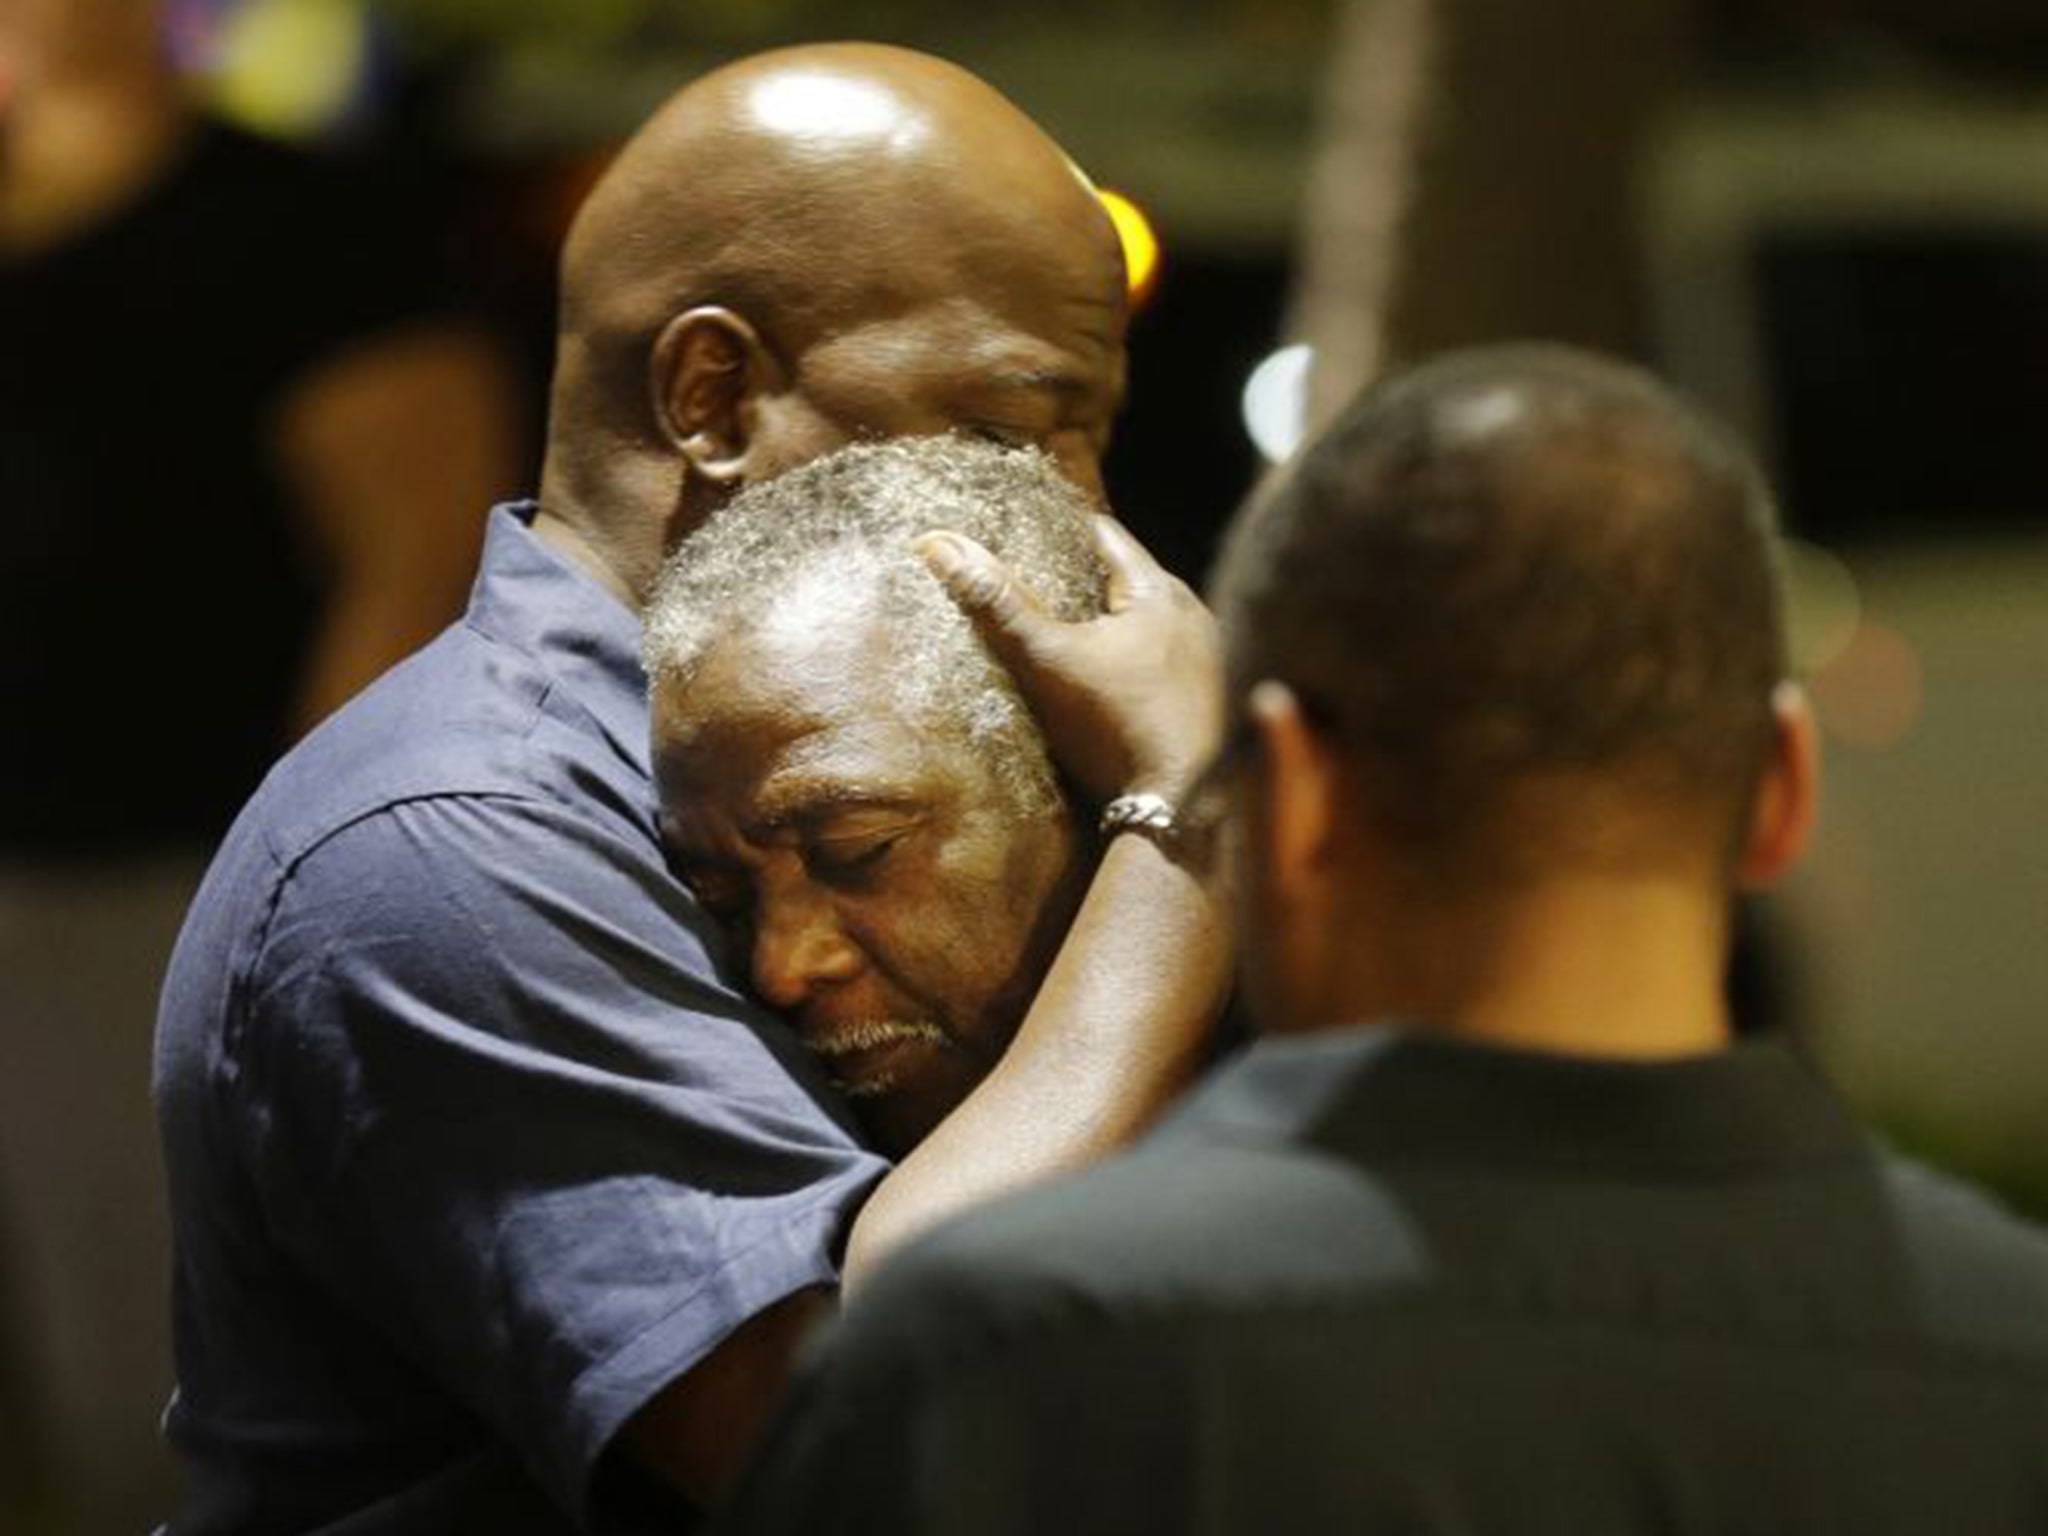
x=1130, y=702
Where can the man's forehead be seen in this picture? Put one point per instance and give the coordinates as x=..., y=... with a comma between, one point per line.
x=794, y=761
x=1056, y=271
x=856, y=763
x=1069, y=346
x=1078, y=306
x=813, y=651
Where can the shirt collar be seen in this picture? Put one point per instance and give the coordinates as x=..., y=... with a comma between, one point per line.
x=1381, y=1092
x=529, y=596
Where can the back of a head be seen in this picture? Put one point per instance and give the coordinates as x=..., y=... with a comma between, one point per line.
x=831, y=543
x=1531, y=594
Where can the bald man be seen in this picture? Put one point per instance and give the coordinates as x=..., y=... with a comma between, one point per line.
x=497, y=1200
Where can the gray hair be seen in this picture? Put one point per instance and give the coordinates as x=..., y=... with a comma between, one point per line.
x=832, y=541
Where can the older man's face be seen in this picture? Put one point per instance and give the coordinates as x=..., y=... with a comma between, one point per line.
x=892, y=900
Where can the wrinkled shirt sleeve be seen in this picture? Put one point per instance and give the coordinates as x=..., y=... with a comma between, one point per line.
x=517, y=1124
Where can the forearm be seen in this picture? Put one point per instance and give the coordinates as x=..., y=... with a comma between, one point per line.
x=1118, y=1028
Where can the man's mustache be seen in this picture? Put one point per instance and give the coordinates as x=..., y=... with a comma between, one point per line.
x=842, y=1042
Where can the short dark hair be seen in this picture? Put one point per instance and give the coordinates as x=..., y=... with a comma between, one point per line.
x=1517, y=566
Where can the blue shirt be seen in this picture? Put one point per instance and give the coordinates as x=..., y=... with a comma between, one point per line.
x=471, y=1147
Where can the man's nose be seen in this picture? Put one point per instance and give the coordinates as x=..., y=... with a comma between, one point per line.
x=799, y=947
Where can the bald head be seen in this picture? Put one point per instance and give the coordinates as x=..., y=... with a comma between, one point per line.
x=794, y=240
x=807, y=184
x=1519, y=569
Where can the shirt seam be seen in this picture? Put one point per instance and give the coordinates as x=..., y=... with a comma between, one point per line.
x=287, y=866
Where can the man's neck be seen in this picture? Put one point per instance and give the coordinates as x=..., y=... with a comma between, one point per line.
x=569, y=540
x=1612, y=965
x=608, y=504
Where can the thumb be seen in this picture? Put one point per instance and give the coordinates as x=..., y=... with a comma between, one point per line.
x=1009, y=619
x=1133, y=573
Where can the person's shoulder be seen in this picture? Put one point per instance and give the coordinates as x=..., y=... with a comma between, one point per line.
x=1176, y=1226
x=1979, y=1270
x=465, y=840
x=468, y=743
x=463, y=716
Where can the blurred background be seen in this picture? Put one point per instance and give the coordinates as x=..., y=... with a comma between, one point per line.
x=317, y=236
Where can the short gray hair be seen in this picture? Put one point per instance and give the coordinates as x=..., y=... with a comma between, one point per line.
x=828, y=540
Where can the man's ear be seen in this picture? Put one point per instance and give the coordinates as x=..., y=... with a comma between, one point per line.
x=1300, y=788
x=1788, y=800
x=707, y=371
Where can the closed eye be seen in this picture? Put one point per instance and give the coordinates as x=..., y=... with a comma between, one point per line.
x=846, y=859
x=1004, y=437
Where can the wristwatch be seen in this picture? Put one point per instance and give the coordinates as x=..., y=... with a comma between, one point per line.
x=1152, y=815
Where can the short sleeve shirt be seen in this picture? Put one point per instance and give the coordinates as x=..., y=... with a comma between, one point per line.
x=471, y=1147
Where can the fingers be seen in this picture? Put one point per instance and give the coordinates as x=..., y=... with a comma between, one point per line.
x=1006, y=614
x=1005, y=611
x=1133, y=573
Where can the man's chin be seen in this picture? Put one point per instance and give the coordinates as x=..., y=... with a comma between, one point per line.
x=899, y=1112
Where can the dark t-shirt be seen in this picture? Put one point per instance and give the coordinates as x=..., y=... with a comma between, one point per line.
x=472, y=1148
x=155, y=595
x=1372, y=1284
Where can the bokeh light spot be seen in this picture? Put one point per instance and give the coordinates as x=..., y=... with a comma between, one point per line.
x=290, y=67
x=1822, y=604
x=1276, y=401
x=1140, y=242
x=1870, y=694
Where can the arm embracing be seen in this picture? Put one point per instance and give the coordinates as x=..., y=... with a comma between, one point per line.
x=499, y=1105
x=1130, y=703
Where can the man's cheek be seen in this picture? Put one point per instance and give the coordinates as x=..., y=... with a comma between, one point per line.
x=937, y=969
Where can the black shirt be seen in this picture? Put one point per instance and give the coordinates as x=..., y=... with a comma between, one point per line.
x=155, y=596
x=1374, y=1283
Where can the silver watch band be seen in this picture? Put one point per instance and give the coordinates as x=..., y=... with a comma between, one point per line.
x=1153, y=815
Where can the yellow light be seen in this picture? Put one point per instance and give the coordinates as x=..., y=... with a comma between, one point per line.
x=1141, y=245
x=288, y=67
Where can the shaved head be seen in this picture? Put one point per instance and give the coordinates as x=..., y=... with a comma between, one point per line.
x=811, y=246
x=804, y=185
